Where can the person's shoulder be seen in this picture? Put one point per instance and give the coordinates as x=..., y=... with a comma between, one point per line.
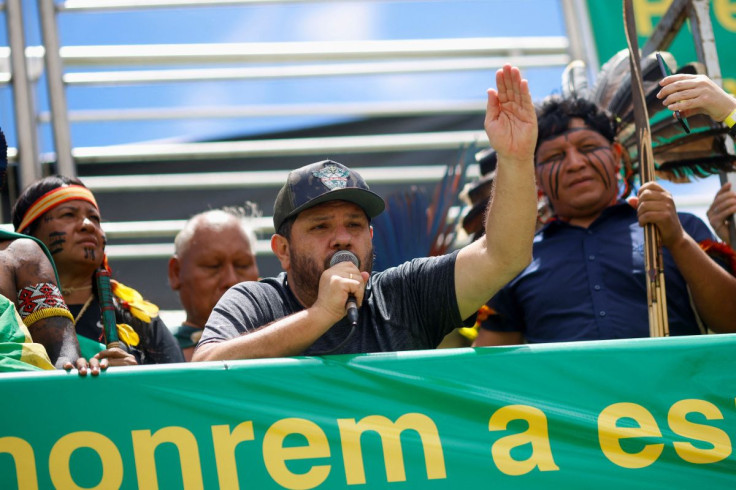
x=417, y=265
x=268, y=286
x=689, y=217
x=690, y=221
x=28, y=261
x=22, y=248
x=276, y=282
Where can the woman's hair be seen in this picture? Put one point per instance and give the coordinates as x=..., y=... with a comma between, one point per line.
x=33, y=192
x=555, y=112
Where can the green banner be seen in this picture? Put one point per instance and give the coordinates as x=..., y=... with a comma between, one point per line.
x=645, y=413
x=606, y=17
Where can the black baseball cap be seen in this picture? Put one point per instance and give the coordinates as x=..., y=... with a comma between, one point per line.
x=321, y=182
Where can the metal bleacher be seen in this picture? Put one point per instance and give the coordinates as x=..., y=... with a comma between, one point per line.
x=147, y=190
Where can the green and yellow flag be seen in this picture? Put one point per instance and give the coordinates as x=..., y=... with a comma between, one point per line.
x=17, y=351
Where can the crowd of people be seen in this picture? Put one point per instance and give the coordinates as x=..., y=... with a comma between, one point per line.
x=578, y=276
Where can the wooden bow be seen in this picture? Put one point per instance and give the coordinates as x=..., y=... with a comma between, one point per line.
x=656, y=295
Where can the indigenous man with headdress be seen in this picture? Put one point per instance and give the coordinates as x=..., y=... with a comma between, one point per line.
x=63, y=213
x=29, y=282
x=587, y=278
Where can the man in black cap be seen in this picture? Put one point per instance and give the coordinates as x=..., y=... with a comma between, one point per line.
x=323, y=213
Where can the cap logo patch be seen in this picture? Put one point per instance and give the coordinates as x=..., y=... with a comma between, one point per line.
x=333, y=177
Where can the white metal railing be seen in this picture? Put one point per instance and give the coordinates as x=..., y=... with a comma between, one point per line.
x=258, y=178
x=302, y=71
x=478, y=53
x=355, y=109
x=263, y=226
x=279, y=52
x=483, y=53
x=163, y=250
x=97, y=5
x=277, y=60
x=280, y=147
x=168, y=63
x=23, y=101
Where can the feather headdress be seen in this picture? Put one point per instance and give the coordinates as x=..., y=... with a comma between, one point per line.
x=416, y=224
x=678, y=156
x=477, y=193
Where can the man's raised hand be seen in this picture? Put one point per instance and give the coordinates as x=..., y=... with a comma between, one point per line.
x=511, y=121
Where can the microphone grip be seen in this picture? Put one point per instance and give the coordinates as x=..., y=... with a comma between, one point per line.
x=352, y=307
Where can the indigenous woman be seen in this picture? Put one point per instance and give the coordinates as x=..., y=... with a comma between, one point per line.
x=63, y=213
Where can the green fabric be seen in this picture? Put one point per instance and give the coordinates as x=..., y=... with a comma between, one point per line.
x=644, y=413
x=89, y=347
x=17, y=351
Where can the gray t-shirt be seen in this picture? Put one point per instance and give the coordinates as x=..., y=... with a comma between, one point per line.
x=409, y=307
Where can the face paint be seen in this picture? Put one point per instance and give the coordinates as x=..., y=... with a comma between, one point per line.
x=577, y=171
x=56, y=241
x=590, y=153
x=72, y=233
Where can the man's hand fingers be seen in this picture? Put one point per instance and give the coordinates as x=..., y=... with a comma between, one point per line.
x=82, y=366
x=94, y=366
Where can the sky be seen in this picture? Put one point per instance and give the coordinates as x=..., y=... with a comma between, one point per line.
x=318, y=21
x=285, y=22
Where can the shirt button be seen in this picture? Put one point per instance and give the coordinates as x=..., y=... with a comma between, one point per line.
x=602, y=313
x=591, y=257
x=597, y=287
x=590, y=232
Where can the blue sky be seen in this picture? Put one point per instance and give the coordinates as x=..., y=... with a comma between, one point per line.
x=320, y=21
x=317, y=21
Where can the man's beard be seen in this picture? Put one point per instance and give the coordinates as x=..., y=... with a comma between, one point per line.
x=305, y=274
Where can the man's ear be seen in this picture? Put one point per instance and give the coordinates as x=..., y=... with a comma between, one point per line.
x=371, y=228
x=280, y=248
x=174, y=269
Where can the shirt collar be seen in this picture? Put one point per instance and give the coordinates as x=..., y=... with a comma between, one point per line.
x=621, y=207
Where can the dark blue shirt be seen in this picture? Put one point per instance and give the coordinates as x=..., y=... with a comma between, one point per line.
x=589, y=284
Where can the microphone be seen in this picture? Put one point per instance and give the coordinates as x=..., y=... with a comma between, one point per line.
x=351, y=305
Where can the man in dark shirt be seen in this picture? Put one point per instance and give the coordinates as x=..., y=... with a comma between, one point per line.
x=326, y=207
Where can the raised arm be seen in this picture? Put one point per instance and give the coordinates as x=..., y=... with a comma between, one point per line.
x=487, y=264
